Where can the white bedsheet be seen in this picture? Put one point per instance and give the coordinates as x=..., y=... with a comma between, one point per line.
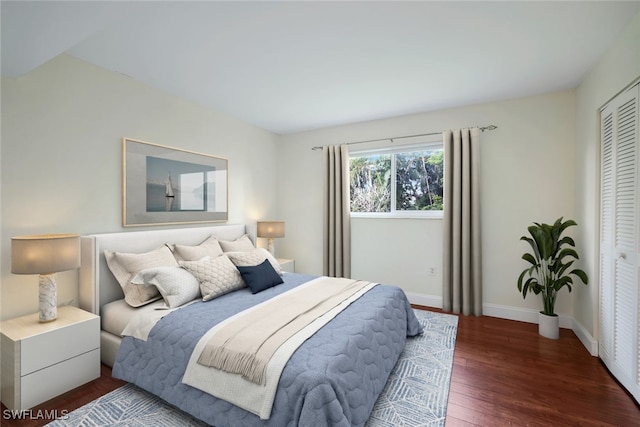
x=116, y=315
x=120, y=319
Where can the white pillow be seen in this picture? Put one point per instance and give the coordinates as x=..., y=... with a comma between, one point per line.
x=241, y=244
x=254, y=257
x=217, y=276
x=209, y=247
x=176, y=285
x=126, y=265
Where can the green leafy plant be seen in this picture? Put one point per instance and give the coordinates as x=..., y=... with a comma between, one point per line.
x=552, y=256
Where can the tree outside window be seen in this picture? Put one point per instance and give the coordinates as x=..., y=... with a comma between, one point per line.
x=399, y=182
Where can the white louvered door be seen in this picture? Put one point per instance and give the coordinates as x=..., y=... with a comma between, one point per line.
x=619, y=341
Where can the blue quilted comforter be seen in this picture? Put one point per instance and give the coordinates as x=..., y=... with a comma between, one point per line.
x=333, y=379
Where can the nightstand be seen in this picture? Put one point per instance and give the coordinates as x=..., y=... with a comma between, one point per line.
x=42, y=360
x=288, y=265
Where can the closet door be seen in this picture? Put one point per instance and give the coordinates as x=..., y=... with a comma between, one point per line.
x=619, y=241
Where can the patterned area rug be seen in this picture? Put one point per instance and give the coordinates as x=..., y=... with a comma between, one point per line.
x=415, y=395
x=418, y=387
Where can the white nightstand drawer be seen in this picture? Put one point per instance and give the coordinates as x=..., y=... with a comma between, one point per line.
x=42, y=360
x=42, y=350
x=59, y=378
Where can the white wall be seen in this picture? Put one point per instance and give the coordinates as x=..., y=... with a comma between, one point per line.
x=527, y=175
x=61, y=169
x=618, y=68
x=399, y=252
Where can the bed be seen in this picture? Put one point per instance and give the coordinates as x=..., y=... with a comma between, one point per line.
x=333, y=378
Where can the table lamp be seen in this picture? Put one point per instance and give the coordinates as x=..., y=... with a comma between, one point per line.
x=45, y=255
x=270, y=230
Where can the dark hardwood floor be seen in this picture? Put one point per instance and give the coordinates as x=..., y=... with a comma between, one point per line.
x=504, y=374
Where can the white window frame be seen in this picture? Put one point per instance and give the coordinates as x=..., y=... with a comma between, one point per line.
x=425, y=146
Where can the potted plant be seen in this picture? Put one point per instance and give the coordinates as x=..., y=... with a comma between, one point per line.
x=551, y=258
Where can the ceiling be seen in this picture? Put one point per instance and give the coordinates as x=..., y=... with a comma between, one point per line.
x=295, y=66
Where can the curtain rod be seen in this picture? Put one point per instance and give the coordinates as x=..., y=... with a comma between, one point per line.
x=490, y=127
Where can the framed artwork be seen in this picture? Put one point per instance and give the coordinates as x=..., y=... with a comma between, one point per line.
x=163, y=185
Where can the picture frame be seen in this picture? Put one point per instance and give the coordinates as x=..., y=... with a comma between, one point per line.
x=163, y=185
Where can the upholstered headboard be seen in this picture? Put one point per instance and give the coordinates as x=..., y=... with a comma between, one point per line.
x=98, y=286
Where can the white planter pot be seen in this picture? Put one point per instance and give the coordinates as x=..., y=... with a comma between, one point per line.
x=549, y=326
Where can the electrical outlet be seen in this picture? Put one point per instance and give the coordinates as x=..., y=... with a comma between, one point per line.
x=432, y=271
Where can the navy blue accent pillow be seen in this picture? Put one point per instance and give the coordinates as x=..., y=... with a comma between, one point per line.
x=260, y=277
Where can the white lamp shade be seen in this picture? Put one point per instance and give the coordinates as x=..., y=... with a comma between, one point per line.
x=271, y=229
x=45, y=254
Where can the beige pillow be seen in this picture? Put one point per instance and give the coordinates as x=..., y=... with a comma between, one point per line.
x=217, y=276
x=126, y=265
x=241, y=244
x=254, y=257
x=209, y=247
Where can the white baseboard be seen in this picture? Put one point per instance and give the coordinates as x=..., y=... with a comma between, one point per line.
x=425, y=300
x=590, y=343
x=515, y=313
x=521, y=314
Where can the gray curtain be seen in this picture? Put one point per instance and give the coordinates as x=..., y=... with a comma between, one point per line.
x=337, y=229
x=462, y=270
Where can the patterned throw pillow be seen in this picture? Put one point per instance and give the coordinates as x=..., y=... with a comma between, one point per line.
x=126, y=265
x=176, y=285
x=217, y=276
x=254, y=257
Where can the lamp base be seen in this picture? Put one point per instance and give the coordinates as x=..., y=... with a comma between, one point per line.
x=47, y=299
x=271, y=247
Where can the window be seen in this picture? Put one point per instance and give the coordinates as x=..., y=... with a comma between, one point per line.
x=400, y=182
